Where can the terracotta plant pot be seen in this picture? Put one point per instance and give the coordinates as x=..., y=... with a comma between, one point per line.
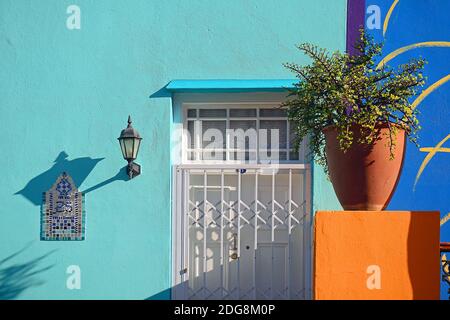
x=364, y=178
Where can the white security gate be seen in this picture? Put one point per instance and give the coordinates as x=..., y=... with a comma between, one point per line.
x=241, y=232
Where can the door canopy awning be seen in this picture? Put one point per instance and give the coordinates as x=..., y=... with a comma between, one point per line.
x=260, y=85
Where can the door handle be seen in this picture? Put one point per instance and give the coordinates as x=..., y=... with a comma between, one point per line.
x=234, y=249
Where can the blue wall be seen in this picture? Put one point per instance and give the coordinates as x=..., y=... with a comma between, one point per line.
x=65, y=96
x=413, y=22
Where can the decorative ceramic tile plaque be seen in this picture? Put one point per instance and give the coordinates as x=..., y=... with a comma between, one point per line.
x=63, y=216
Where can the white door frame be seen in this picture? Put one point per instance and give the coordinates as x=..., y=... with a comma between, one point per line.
x=181, y=102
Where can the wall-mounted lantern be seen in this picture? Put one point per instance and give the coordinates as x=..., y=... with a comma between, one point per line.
x=130, y=141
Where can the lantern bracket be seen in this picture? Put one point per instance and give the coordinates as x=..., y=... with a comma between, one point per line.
x=133, y=169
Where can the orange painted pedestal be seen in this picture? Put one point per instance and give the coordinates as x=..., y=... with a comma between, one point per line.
x=376, y=255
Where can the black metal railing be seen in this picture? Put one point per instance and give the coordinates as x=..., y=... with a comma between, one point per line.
x=445, y=263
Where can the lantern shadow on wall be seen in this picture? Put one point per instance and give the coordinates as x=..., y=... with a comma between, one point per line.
x=78, y=168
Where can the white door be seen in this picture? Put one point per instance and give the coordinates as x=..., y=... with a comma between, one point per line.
x=242, y=232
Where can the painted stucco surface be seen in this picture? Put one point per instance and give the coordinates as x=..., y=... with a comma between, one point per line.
x=376, y=255
x=65, y=96
x=412, y=29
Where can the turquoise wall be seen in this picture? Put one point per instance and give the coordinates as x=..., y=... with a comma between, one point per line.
x=65, y=96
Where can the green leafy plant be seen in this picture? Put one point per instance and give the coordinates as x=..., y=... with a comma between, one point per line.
x=349, y=91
